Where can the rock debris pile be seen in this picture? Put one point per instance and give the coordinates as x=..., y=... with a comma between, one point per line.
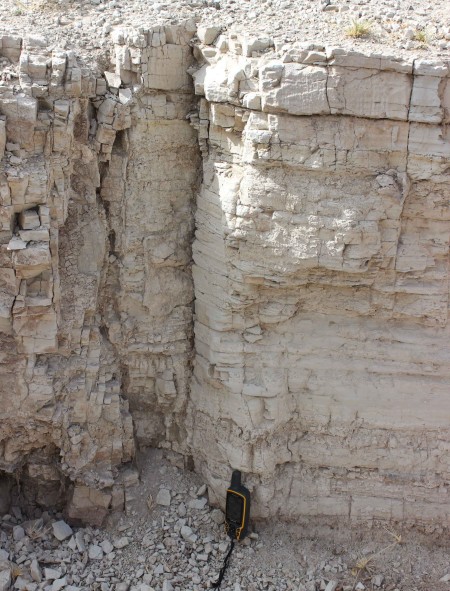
x=172, y=540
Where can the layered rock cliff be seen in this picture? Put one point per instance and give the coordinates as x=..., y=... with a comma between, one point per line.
x=321, y=281
x=316, y=182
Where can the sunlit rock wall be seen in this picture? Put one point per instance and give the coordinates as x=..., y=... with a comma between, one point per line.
x=321, y=280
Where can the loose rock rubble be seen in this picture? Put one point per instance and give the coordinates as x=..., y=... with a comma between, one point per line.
x=181, y=546
x=405, y=25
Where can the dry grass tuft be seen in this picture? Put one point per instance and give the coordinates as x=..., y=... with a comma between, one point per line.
x=366, y=565
x=359, y=29
x=16, y=571
x=421, y=37
x=36, y=530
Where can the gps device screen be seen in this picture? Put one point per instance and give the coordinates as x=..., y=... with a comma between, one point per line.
x=235, y=507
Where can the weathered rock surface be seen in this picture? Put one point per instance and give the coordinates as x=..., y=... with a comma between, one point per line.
x=321, y=282
x=95, y=288
x=320, y=277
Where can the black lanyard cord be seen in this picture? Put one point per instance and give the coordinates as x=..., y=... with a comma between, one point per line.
x=217, y=584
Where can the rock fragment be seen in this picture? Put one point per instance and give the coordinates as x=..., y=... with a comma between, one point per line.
x=163, y=497
x=198, y=503
x=202, y=490
x=121, y=542
x=208, y=35
x=79, y=539
x=61, y=530
x=5, y=579
x=188, y=535
x=107, y=547
x=377, y=580
x=35, y=571
x=18, y=533
x=95, y=552
x=217, y=516
x=59, y=584
x=51, y=574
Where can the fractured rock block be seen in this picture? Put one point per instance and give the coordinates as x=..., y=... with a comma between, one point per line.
x=113, y=80
x=105, y=135
x=256, y=45
x=16, y=244
x=29, y=219
x=32, y=261
x=37, y=66
x=369, y=93
x=167, y=67
x=429, y=150
x=37, y=235
x=425, y=100
x=89, y=505
x=208, y=35
x=11, y=47
x=223, y=115
x=301, y=90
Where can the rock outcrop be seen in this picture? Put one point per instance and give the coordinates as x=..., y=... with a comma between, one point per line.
x=321, y=281
x=317, y=183
x=97, y=185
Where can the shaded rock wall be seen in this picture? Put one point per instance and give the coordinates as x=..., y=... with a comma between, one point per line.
x=62, y=415
x=97, y=188
x=317, y=185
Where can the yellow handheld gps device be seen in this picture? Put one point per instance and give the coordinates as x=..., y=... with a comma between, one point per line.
x=237, y=513
x=237, y=508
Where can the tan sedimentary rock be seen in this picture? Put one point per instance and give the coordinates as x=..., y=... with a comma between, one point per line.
x=91, y=244
x=321, y=283
x=316, y=182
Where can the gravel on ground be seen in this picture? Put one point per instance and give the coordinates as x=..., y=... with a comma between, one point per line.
x=174, y=541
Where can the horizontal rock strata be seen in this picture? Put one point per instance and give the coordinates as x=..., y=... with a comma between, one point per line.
x=321, y=281
x=320, y=338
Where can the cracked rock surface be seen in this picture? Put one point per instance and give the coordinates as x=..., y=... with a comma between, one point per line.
x=230, y=246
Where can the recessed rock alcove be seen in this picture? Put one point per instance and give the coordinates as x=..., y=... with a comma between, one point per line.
x=237, y=253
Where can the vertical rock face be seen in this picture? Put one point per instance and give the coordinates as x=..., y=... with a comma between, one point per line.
x=321, y=347
x=63, y=417
x=321, y=282
x=149, y=190
x=96, y=294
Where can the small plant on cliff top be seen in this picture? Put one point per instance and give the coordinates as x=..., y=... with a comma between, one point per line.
x=21, y=8
x=358, y=29
x=24, y=6
x=420, y=36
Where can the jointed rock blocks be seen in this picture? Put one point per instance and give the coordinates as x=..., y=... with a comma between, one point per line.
x=85, y=330
x=316, y=182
